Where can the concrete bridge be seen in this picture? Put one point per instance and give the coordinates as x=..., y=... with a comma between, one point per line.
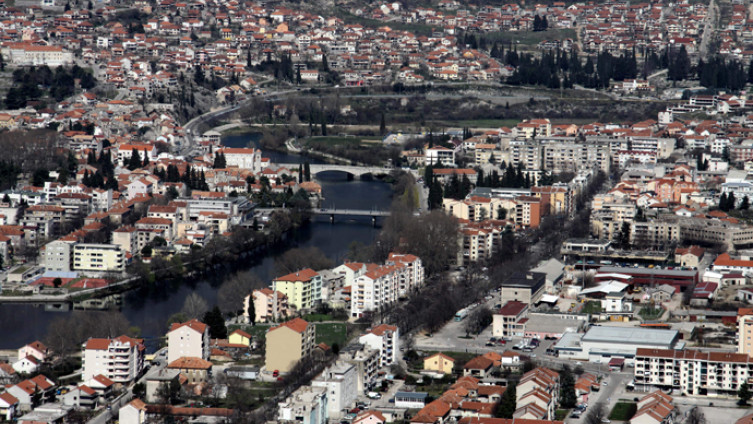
x=332, y=212
x=357, y=171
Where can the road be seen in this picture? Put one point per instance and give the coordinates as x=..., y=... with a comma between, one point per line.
x=608, y=395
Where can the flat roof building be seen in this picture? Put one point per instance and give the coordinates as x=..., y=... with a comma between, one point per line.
x=601, y=343
x=523, y=287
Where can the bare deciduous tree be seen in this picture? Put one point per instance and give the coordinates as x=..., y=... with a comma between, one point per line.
x=195, y=306
x=235, y=289
x=297, y=259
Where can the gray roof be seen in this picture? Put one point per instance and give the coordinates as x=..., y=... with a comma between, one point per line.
x=520, y=279
x=631, y=335
x=628, y=270
x=411, y=395
x=552, y=268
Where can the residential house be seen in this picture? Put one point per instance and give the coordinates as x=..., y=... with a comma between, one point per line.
x=439, y=362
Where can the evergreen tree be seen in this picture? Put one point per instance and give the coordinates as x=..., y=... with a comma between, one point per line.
x=198, y=75
x=723, y=202
x=745, y=204
x=216, y=323
x=251, y=311
x=568, y=398
x=507, y=403
x=731, y=202
x=219, y=161
x=382, y=126
x=435, y=195
x=135, y=161
x=307, y=171
x=744, y=394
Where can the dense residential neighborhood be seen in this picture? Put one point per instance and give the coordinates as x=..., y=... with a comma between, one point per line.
x=431, y=212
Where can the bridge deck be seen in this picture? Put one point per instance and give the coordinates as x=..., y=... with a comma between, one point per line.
x=350, y=212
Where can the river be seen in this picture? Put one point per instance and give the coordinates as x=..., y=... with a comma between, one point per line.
x=20, y=324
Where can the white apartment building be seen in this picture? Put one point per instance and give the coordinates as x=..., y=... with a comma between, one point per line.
x=692, y=372
x=341, y=382
x=244, y=158
x=386, y=339
x=190, y=339
x=412, y=274
x=98, y=257
x=57, y=256
x=120, y=359
x=439, y=155
x=35, y=55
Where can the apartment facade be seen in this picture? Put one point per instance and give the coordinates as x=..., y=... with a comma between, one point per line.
x=268, y=305
x=692, y=372
x=288, y=343
x=745, y=331
x=188, y=339
x=120, y=359
x=98, y=257
x=386, y=339
x=302, y=288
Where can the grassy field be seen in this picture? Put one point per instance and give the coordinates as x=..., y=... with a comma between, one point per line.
x=323, y=317
x=591, y=307
x=650, y=312
x=561, y=414
x=529, y=38
x=331, y=333
x=622, y=411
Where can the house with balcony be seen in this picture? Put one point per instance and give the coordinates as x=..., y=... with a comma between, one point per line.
x=120, y=359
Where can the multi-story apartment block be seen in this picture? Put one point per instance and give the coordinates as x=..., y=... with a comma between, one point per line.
x=120, y=359
x=412, y=274
x=745, y=331
x=366, y=361
x=439, y=155
x=654, y=233
x=572, y=157
x=188, y=339
x=303, y=288
x=527, y=154
x=386, y=339
x=477, y=208
x=269, y=305
x=341, y=381
x=45, y=218
x=57, y=256
x=287, y=343
x=98, y=257
x=692, y=372
x=377, y=287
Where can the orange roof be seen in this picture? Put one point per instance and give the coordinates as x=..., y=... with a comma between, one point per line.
x=296, y=324
x=191, y=363
x=302, y=275
x=381, y=329
x=97, y=344
x=194, y=324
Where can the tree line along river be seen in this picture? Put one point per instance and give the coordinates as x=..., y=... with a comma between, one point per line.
x=23, y=323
